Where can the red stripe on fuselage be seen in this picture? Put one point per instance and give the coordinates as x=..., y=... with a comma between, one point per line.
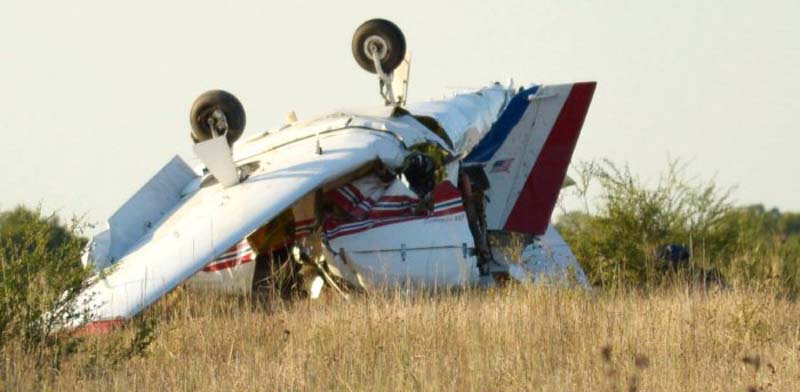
x=246, y=258
x=534, y=206
x=459, y=209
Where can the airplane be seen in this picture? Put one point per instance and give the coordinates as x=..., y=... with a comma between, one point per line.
x=447, y=193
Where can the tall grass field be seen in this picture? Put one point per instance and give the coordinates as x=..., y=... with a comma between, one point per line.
x=514, y=338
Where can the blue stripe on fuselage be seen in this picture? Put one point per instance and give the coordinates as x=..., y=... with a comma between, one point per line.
x=490, y=143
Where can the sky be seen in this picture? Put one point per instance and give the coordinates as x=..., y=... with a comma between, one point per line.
x=95, y=96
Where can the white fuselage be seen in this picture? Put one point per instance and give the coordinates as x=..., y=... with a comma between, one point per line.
x=183, y=224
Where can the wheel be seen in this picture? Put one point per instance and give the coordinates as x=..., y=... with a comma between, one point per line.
x=387, y=39
x=205, y=105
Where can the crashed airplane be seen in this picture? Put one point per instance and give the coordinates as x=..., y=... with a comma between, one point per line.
x=428, y=194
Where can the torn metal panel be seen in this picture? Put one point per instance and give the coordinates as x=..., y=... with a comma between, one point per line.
x=465, y=117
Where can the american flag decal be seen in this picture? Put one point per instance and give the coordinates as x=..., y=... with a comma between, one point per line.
x=502, y=165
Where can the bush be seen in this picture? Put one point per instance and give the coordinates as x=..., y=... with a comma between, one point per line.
x=617, y=241
x=40, y=276
x=764, y=247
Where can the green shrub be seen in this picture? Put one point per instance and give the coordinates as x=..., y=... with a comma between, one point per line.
x=40, y=276
x=764, y=247
x=617, y=240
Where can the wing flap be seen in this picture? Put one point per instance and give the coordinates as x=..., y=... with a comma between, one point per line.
x=148, y=206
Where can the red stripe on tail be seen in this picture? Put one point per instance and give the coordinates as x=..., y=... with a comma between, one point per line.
x=535, y=204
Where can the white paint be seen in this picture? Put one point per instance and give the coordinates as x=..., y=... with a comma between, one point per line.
x=217, y=156
x=523, y=144
x=212, y=219
x=207, y=221
x=425, y=252
x=466, y=117
x=552, y=261
x=145, y=208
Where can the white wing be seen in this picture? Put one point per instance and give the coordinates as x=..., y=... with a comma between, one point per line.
x=211, y=219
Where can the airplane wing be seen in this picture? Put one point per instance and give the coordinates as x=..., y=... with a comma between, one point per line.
x=211, y=219
x=526, y=153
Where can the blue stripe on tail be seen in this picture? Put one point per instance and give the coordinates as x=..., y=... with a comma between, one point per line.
x=497, y=135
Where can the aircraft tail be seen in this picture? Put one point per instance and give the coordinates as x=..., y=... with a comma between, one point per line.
x=526, y=153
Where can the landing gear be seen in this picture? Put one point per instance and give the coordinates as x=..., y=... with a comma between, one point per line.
x=382, y=40
x=379, y=47
x=216, y=113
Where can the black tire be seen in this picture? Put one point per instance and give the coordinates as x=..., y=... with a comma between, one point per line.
x=209, y=101
x=383, y=31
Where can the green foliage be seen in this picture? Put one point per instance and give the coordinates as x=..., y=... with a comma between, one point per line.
x=764, y=247
x=40, y=276
x=617, y=242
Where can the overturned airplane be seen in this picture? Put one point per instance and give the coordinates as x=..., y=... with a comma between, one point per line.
x=428, y=194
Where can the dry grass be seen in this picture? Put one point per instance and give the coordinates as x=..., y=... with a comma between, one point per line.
x=517, y=338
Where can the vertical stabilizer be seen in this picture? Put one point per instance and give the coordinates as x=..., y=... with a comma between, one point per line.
x=527, y=152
